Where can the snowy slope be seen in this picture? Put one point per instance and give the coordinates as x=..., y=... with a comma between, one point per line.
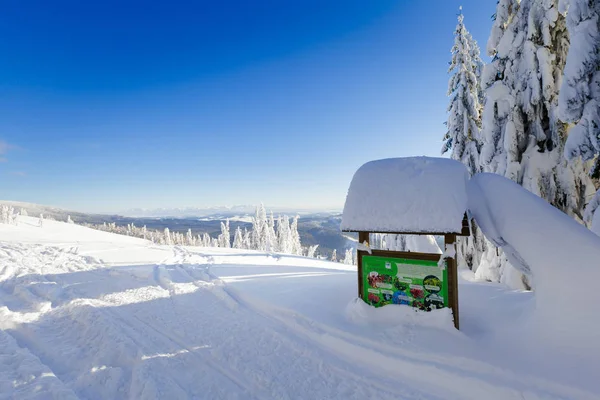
x=87, y=314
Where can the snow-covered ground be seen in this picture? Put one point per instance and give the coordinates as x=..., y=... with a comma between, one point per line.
x=89, y=314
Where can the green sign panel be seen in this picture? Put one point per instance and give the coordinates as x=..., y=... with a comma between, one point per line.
x=416, y=283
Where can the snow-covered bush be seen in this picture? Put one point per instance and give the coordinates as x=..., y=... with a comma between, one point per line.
x=312, y=251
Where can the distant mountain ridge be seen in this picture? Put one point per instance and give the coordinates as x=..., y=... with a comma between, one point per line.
x=223, y=211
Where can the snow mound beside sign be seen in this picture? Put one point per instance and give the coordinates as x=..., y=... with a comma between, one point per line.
x=545, y=243
x=414, y=194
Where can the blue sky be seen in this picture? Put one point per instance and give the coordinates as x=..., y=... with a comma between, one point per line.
x=106, y=106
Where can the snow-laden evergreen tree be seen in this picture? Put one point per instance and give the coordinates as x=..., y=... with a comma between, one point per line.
x=260, y=228
x=238, y=239
x=579, y=99
x=464, y=125
x=349, y=257
x=334, y=255
x=270, y=235
x=168, y=240
x=69, y=220
x=224, y=238
x=178, y=238
x=189, y=238
x=464, y=89
x=41, y=220
x=23, y=212
x=295, y=244
x=247, y=239
x=311, y=252
x=522, y=135
x=283, y=234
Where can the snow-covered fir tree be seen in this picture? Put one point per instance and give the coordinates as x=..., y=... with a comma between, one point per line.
x=283, y=235
x=349, y=257
x=270, y=235
x=206, y=240
x=259, y=228
x=579, y=99
x=224, y=238
x=238, y=239
x=464, y=125
x=522, y=135
x=464, y=89
x=189, y=238
x=295, y=244
x=167, y=237
x=247, y=242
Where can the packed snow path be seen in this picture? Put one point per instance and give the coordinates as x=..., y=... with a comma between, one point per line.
x=82, y=318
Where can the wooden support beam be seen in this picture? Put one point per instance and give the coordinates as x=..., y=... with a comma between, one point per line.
x=450, y=241
x=362, y=238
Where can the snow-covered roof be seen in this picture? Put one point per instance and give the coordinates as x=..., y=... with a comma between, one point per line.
x=414, y=194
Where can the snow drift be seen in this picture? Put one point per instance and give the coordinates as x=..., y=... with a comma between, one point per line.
x=561, y=255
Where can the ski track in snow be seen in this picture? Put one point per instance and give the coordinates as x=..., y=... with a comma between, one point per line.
x=74, y=327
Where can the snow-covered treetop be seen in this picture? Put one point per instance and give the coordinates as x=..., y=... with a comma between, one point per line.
x=407, y=195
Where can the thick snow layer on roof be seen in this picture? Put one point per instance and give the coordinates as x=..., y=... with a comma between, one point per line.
x=415, y=194
x=558, y=253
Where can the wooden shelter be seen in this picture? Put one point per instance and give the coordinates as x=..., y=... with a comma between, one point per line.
x=409, y=196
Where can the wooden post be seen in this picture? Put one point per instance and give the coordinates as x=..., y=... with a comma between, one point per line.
x=450, y=240
x=362, y=238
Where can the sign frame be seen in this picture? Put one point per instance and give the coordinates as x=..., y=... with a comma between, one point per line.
x=452, y=273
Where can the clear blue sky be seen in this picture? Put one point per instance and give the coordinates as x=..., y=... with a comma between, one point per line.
x=111, y=105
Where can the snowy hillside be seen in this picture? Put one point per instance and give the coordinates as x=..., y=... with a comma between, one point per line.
x=93, y=315
x=56, y=213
